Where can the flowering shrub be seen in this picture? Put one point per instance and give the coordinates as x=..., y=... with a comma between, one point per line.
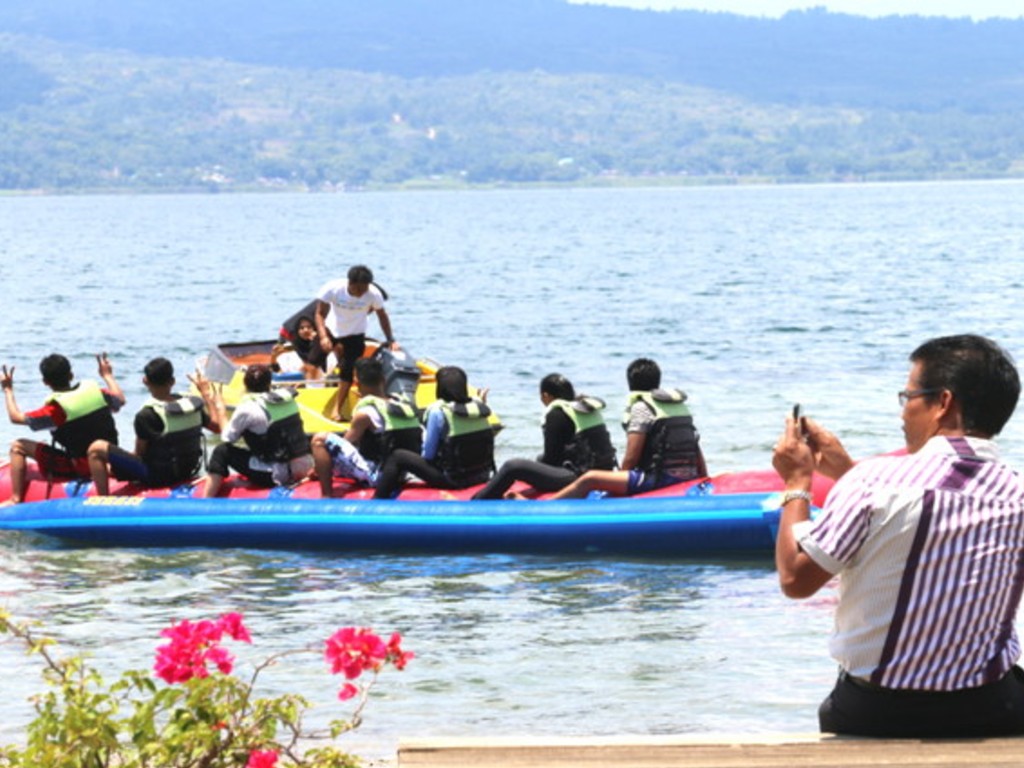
x=205, y=717
x=354, y=651
x=193, y=645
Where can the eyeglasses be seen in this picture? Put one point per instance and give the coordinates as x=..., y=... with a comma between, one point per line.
x=906, y=395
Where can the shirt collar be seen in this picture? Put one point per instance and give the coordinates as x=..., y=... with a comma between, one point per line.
x=967, y=447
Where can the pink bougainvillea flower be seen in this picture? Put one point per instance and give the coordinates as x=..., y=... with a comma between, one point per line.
x=194, y=645
x=232, y=624
x=262, y=758
x=219, y=656
x=347, y=691
x=182, y=658
x=354, y=650
x=396, y=655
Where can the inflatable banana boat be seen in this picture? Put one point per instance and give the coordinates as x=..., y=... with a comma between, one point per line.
x=734, y=513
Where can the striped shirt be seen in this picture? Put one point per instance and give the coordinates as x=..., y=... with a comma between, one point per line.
x=930, y=552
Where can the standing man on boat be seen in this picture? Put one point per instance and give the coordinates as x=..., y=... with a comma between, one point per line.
x=380, y=425
x=342, y=309
x=929, y=551
x=168, y=434
x=76, y=414
x=273, y=448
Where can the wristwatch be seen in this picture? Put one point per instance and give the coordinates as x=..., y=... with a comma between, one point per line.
x=789, y=496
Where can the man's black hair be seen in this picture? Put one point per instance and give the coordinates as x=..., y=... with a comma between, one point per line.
x=369, y=371
x=56, y=371
x=258, y=378
x=643, y=375
x=979, y=373
x=361, y=274
x=159, y=372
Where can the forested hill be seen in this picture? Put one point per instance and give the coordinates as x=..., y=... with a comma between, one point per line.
x=810, y=57
x=326, y=94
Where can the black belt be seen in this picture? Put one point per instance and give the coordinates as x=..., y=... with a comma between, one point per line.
x=867, y=685
x=860, y=682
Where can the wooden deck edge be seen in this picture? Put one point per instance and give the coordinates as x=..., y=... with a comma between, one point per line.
x=706, y=751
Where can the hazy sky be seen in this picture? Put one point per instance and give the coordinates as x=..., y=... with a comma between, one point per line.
x=977, y=9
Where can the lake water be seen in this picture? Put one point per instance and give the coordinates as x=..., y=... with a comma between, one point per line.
x=751, y=298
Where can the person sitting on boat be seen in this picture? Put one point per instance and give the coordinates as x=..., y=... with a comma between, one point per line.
x=276, y=450
x=77, y=414
x=380, y=425
x=346, y=304
x=305, y=344
x=458, y=448
x=662, y=444
x=168, y=434
x=575, y=440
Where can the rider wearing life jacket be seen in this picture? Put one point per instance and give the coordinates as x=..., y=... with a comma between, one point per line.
x=591, y=444
x=466, y=453
x=575, y=440
x=76, y=414
x=458, y=448
x=672, y=446
x=168, y=434
x=276, y=449
x=380, y=425
x=662, y=445
x=399, y=427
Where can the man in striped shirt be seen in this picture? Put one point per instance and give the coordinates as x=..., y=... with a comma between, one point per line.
x=929, y=550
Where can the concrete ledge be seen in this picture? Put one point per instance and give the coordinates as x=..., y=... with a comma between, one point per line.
x=708, y=751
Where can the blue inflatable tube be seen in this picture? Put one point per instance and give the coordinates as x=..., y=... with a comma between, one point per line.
x=654, y=527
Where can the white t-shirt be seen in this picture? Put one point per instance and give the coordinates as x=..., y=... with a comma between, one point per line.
x=250, y=416
x=641, y=418
x=347, y=316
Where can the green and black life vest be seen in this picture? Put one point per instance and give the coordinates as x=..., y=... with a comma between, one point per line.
x=672, y=447
x=176, y=454
x=88, y=417
x=285, y=438
x=402, y=428
x=466, y=455
x=591, y=446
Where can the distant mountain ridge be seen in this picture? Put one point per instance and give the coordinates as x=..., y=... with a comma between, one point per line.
x=811, y=57
x=327, y=95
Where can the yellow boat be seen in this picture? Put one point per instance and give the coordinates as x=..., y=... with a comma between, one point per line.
x=227, y=363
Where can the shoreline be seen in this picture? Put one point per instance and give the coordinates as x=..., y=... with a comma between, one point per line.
x=448, y=185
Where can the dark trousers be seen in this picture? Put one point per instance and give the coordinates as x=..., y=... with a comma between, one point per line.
x=400, y=462
x=858, y=708
x=227, y=456
x=544, y=477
